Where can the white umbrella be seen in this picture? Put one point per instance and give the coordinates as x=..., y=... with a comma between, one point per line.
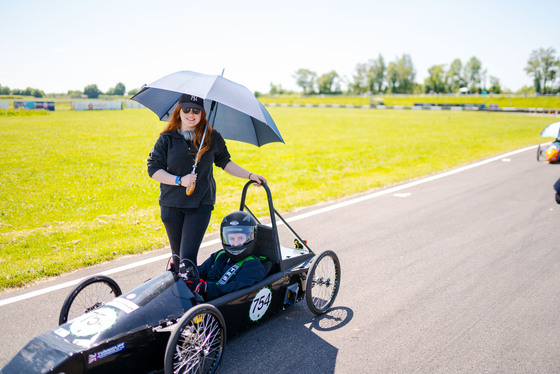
x=551, y=131
x=239, y=116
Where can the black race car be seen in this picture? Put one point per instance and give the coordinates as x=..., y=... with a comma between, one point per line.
x=161, y=326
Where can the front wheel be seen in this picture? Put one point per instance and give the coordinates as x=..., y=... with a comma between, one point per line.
x=323, y=282
x=92, y=293
x=197, y=343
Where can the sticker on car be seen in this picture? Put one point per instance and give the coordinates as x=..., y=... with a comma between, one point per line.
x=260, y=304
x=94, y=322
x=105, y=353
x=125, y=305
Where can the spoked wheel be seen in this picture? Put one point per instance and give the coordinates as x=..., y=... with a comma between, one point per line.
x=323, y=282
x=91, y=294
x=197, y=344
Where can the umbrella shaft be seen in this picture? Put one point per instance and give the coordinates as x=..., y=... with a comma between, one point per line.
x=213, y=110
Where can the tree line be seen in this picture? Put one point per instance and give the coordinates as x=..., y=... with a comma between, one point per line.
x=395, y=77
x=398, y=77
x=91, y=91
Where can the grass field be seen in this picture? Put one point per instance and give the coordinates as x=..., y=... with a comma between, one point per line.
x=75, y=192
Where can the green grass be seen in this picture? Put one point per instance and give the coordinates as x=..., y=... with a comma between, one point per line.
x=21, y=113
x=75, y=192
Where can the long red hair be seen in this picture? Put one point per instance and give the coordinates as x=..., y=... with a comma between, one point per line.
x=175, y=124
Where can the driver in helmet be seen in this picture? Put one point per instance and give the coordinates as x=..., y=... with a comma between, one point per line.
x=233, y=267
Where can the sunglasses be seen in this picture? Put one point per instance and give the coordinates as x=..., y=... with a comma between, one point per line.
x=188, y=110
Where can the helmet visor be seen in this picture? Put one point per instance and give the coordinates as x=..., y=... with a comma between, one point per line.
x=236, y=236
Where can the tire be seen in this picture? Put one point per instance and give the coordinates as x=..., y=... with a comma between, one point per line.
x=323, y=282
x=92, y=293
x=539, y=153
x=197, y=344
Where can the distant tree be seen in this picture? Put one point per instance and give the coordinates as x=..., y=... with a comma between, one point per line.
x=549, y=66
x=392, y=77
x=37, y=93
x=473, y=74
x=376, y=74
x=533, y=69
x=327, y=83
x=119, y=90
x=495, y=86
x=436, y=80
x=369, y=77
x=543, y=67
x=74, y=93
x=306, y=79
x=483, y=75
x=454, y=76
x=359, y=83
x=401, y=74
x=134, y=91
x=4, y=90
x=28, y=92
x=19, y=91
x=275, y=89
x=406, y=74
x=92, y=91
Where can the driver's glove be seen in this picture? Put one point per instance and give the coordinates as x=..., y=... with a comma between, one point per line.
x=192, y=283
x=201, y=287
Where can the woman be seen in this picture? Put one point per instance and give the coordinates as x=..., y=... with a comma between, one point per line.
x=185, y=217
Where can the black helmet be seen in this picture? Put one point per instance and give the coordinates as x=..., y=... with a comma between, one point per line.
x=239, y=235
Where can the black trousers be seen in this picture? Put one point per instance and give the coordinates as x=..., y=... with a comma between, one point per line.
x=185, y=230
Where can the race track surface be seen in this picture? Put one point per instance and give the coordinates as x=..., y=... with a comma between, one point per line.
x=455, y=274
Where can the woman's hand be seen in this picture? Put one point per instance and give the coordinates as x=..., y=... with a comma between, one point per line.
x=188, y=179
x=189, y=183
x=257, y=178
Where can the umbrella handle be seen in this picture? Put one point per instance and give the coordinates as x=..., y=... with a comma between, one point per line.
x=190, y=188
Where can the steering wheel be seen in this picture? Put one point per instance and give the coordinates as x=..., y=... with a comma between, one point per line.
x=191, y=271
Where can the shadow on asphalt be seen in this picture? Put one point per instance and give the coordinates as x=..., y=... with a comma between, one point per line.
x=287, y=343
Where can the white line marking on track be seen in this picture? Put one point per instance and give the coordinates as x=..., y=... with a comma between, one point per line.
x=402, y=194
x=392, y=190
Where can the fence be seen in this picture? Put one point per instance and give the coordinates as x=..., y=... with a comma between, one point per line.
x=47, y=105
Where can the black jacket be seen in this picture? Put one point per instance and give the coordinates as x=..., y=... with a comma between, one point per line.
x=176, y=155
x=251, y=271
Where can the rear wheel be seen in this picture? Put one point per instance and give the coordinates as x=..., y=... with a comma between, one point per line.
x=323, y=282
x=89, y=295
x=197, y=343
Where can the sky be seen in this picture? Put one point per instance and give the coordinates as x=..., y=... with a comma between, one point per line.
x=62, y=45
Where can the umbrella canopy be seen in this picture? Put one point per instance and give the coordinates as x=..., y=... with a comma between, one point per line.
x=551, y=131
x=238, y=115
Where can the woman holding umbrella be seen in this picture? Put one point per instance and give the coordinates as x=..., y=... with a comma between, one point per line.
x=188, y=141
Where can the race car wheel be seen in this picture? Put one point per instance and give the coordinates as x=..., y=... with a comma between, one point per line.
x=197, y=344
x=92, y=293
x=323, y=282
x=539, y=153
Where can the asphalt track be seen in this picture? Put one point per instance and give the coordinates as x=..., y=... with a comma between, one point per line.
x=454, y=273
